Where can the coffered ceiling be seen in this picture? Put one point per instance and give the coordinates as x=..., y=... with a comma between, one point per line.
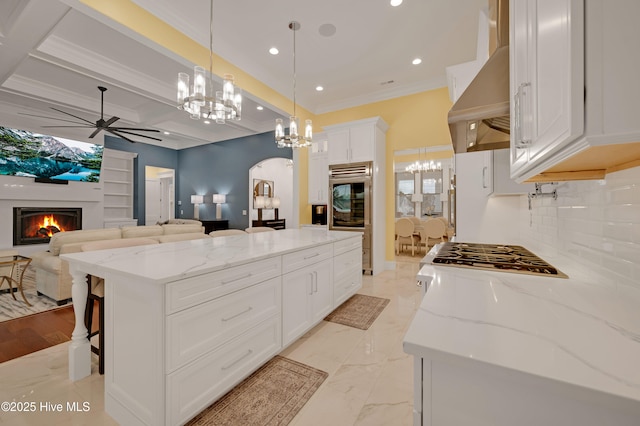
x=54, y=53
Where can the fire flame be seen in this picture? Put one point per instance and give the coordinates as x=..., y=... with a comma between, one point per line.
x=48, y=223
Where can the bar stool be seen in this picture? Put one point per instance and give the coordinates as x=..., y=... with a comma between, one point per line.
x=96, y=291
x=96, y=294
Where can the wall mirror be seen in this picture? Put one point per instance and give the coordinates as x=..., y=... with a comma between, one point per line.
x=262, y=188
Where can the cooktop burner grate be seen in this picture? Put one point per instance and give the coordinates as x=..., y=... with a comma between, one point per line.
x=504, y=258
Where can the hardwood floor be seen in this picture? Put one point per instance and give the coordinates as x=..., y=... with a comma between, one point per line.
x=22, y=336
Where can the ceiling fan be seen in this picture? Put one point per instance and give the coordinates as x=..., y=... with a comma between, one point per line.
x=101, y=124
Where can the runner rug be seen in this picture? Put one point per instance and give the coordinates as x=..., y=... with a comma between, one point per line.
x=360, y=311
x=271, y=396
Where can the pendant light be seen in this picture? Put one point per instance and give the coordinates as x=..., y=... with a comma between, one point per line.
x=293, y=139
x=200, y=101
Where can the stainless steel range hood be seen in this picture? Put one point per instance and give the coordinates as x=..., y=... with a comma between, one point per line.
x=479, y=120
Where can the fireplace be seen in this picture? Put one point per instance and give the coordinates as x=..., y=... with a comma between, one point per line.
x=36, y=225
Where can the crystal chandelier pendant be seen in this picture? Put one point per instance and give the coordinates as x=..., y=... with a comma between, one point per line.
x=200, y=100
x=293, y=139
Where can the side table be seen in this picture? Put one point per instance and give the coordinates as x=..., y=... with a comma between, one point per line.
x=17, y=261
x=214, y=225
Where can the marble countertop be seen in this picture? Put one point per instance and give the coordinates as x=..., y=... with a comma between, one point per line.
x=583, y=331
x=173, y=261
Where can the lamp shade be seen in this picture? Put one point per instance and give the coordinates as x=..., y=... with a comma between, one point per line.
x=275, y=202
x=259, y=202
x=416, y=198
x=197, y=199
x=219, y=198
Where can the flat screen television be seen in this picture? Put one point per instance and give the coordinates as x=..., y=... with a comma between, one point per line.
x=48, y=158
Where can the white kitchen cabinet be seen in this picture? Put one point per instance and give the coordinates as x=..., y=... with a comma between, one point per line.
x=482, y=214
x=307, y=295
x=354, y=142
x=572, y=88
x=318, y=171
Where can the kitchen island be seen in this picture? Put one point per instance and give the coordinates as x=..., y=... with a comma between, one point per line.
x=187, y=321
x=495, y=348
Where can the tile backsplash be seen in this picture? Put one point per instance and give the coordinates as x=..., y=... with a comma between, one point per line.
x=595, y=222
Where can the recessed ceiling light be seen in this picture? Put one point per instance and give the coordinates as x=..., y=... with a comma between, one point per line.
x=259, y=107
x=395, y=3
x=166, y=133
x=274, y=51
x=416, y=61
x=319, y=88
x=206, y=122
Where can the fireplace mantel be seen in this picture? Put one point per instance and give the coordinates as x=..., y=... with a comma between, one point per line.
x=24, y=192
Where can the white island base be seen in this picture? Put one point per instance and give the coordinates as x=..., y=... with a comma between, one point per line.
x=187, y=321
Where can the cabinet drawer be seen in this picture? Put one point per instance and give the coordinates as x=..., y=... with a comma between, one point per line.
x=299, y=259
x=344, y=246
x=346, y=287
x=346, y=263
x=197, y=385
x=196, y=290
x=196, y=331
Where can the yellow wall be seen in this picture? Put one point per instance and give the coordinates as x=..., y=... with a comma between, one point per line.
x=415, y=121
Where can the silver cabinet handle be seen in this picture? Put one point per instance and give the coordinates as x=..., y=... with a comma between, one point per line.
x=228, y=366
x=520, y=140
x=236, y=278
x=315, y=281
x=311, y=284
x=238, y=314
x=312, y=256
x=484, y=177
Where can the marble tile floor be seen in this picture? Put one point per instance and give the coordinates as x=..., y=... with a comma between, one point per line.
x=370, y=378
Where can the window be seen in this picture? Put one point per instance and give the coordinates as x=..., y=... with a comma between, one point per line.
x=405, y=184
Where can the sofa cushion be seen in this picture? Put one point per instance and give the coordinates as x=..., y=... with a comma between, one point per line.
x=181, y=237
x=62, y=238
x=141, y=231
x=181, y=229
x=110, y=244
x=47, y=261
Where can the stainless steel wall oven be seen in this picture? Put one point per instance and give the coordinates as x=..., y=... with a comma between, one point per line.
x=350, y=203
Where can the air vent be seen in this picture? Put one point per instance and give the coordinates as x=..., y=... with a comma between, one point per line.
x=350, y=170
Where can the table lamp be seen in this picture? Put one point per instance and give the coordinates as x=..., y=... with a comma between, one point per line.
x=196, y=200
x=219, y=199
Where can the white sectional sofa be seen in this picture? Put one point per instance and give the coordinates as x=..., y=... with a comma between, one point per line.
x=52, y=273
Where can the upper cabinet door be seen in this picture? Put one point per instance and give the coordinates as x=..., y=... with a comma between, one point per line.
x=361, y=143
x=547, y=82
x=338, y=142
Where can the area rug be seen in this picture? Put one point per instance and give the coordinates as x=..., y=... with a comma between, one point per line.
x=11, y=309
x=271, y=396
x=359, y=311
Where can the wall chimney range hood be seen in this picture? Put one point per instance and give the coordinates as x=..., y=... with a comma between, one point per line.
x=479, y=120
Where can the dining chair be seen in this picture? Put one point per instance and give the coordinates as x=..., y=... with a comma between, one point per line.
x=405, y=235
x=434, y=231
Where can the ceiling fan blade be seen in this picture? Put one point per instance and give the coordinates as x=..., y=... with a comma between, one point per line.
x=75, y=116
x=119, y=135
x=50, y=118
x=83, y=126
x=137, y=134
x=134, y=128
x=111, y=121
x=95, y=132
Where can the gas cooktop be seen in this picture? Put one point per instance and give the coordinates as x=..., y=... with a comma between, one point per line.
x=493, y=257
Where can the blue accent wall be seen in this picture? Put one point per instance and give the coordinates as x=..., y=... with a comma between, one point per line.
x=223, y=168
x=216, y=168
